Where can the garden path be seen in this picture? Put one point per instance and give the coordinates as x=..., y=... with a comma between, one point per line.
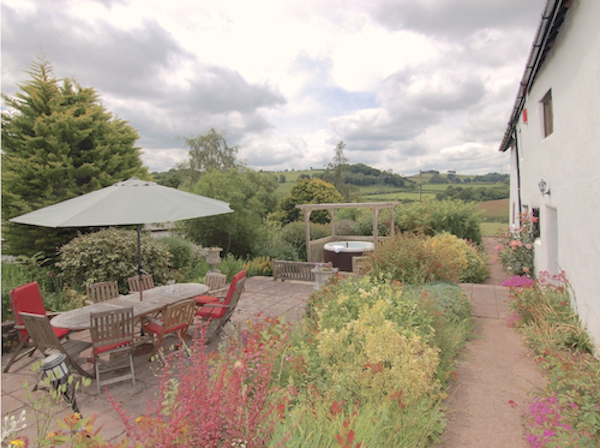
x=495, y=374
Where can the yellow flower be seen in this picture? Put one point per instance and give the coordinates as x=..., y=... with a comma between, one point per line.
x=51, y=435
x=17, y=442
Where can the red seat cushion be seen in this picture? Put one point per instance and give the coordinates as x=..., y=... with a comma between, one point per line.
x=211, y=312
x=157, y=328
x=60, y=332
x=202, y=300
x=108, y=347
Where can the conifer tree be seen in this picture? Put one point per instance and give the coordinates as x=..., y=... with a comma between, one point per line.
x=58, y=142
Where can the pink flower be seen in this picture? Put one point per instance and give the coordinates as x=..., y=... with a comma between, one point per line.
x=499, y=247
x=525, y=269
x=529, y=246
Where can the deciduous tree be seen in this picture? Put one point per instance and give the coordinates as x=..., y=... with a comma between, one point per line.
x=251, y=195
x=208, y=152
x=315, y=191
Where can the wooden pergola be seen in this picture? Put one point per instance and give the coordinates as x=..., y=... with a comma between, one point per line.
x=374, y=206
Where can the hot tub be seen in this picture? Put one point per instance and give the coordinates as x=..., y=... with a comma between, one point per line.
x=340, y=253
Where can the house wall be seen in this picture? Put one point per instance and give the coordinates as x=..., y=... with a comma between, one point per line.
x=568, y=160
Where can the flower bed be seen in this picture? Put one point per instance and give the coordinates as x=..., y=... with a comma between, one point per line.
x=567, y=411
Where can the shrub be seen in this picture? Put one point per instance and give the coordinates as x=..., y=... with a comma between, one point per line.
x=364, y=224
x=259, y=266
x=416, y=259
x=344, y=227
x=111, y=255
x=375, y=354
x=432, y=217
x=477, y=268
x=452, y=320
x=368, y=336
x=184, y=253
x=447, y=298
x=517, y=247
x=294, y=234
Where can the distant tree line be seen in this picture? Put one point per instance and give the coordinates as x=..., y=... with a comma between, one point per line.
x=451, y=178
x=477, y=194
x=362, y=175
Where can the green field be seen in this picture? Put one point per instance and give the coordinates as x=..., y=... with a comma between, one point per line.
x=495, y=210
x=376, y=193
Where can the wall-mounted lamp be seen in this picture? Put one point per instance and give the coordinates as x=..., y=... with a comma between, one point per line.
x=543, y=186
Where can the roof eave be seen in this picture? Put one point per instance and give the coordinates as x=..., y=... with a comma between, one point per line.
x=541, y=45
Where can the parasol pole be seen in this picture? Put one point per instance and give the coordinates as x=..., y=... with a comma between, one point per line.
x=140, y=285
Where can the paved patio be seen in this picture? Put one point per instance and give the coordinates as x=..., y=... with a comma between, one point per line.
x=262, y=296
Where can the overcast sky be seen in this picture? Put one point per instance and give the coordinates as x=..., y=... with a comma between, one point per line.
x=406, y=84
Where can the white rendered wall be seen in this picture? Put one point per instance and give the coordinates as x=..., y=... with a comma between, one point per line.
x=568, y=160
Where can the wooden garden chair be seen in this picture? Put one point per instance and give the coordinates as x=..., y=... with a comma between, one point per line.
x=217, y=312
x=99, y=292
x=134, y=283
x=112, y=335
x=45, y=340
x=216, y=283
x=27, y=298
x=177, y=319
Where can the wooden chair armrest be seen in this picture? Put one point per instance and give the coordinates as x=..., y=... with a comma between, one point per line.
x=221, y=292
x=215, y=305
x=89, y=302
x=52, y=313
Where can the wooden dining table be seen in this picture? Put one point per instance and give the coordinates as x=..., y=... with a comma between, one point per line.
x=154, y=300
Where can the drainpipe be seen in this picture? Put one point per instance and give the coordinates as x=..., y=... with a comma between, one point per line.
x=518, y=173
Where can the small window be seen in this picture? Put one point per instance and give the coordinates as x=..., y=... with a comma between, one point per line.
x=536, y=225
x=548, y=116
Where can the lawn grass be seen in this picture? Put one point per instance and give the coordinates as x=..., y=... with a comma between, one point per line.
x=492, y=228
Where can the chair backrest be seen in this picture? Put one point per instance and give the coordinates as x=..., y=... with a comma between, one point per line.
x=99, y=292
x=40, y=331
x=134, y=283
x=111, y=329
x=27, y=298
x=215, y=281
x=235, y=288
x=179, y=315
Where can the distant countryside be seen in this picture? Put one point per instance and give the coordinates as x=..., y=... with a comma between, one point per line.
x=490, y=190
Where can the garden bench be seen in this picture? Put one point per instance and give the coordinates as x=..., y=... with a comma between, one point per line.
x=294, y=270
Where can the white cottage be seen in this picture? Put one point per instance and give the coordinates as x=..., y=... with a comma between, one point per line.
x=554, y=141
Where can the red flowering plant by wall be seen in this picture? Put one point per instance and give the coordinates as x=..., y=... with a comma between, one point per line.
x=516, y=247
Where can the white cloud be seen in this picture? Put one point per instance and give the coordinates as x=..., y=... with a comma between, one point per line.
x=407, y=85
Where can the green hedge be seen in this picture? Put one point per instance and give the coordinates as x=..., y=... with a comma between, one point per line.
x=431, y=217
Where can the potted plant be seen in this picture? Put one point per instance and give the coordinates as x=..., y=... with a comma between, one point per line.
x=323, y=273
